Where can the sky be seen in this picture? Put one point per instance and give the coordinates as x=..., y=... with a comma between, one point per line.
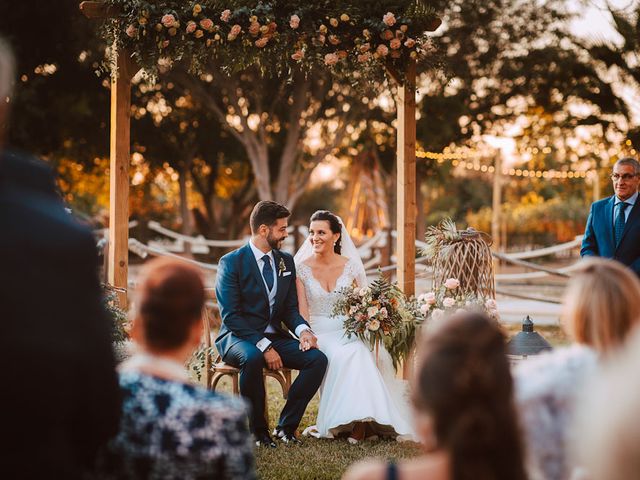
x=594, y=22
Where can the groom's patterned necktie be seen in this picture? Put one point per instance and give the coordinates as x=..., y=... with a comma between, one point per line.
x=267, y=272
x=620, y=222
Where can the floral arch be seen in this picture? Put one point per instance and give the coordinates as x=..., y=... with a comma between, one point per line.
x=361, y=41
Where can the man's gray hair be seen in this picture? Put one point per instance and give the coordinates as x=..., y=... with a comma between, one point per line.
x=7, y=71
x=630, y=161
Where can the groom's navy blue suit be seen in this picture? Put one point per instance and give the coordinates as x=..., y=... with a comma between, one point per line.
x=244, y=307
x=599, y=234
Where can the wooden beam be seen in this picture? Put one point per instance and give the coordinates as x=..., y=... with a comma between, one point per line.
x=119, y=175
x=98, y=10
x=406, y=182
x=406, y=193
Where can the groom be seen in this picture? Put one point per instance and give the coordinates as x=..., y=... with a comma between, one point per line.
x=256, y=292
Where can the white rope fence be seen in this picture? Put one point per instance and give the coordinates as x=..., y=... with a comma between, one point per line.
x=156, y=227
x=143, y=250
x=541, y=252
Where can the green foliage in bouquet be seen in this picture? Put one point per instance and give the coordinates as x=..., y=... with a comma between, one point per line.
x=372, y=313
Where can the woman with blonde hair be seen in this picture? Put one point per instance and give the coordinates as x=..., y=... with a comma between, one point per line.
x=601, y=306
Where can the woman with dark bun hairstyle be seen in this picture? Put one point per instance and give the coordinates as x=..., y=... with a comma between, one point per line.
x=464, y=409
x=171, y=428
x=360, y=396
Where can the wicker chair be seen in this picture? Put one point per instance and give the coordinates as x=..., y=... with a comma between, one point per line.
x=218, y=369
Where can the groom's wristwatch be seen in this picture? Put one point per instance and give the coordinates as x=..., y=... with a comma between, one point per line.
x=269, y=347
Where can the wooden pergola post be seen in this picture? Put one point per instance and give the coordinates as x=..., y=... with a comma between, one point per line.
x=406, y=182
x=120, y=154
x=406, y=191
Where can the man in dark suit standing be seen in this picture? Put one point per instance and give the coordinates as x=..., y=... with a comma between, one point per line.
x=256, y=292
x=613, y=227
x=60, y=400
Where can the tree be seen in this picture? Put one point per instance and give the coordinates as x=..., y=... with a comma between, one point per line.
x=285, y=127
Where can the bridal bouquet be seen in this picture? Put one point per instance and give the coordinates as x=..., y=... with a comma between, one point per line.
x=372, y=313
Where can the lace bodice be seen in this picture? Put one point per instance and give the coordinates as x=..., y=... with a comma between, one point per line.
x=320, y=301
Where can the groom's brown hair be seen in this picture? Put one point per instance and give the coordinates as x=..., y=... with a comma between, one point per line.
x=267, y=213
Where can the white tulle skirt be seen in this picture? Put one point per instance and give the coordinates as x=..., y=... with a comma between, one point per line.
x=356, y=388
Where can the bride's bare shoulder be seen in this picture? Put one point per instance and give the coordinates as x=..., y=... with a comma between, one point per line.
x=343, y=259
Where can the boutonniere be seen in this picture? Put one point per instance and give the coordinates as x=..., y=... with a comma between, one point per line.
x=281, y=267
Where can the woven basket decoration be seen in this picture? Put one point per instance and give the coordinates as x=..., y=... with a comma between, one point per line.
x=461, y=254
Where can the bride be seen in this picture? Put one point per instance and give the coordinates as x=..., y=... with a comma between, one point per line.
x=359, y=397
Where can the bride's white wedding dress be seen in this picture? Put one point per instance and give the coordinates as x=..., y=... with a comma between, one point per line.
x=354, y=389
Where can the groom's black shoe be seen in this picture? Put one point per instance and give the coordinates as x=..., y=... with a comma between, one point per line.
x=264, y=440
x=288, y=438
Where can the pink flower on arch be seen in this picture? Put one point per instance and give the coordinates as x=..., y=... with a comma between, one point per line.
x=297, y=56
x=226, y=15
x=395, y=44
x=254, y=28
x=261, y=42
x=294, y=21
x=131, y=31
x=206, y=23
x=382, y=50
x=168, y=20
x=330, y=59
x=191, y=26
x=389, y=19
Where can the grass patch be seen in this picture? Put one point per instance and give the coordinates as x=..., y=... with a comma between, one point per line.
x=317, y=459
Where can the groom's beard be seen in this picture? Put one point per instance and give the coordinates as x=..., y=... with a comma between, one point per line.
x=274, y=243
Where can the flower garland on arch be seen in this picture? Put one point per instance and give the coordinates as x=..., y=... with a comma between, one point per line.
x=359, y=39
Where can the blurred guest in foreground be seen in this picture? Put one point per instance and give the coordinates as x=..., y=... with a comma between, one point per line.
x=61, y=400
x=608, y=426
x=464, y=410
x=171, y=428
x=600, y=308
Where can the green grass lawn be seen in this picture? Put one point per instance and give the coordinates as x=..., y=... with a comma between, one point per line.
x=328, y=459
x=317, y=459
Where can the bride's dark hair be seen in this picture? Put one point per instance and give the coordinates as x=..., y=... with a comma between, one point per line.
x=334, y=225
x=464, y=384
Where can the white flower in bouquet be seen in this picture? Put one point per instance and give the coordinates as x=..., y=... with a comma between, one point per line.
x=364, y=291
x=452, y=283
x=372, y=311
x=424, y=308
x=353, y=310
x=383, y=312
x=449, y=302
x=437, y=314
x=373, y=325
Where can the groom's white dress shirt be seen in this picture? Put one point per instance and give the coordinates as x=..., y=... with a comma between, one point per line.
x=258, y=254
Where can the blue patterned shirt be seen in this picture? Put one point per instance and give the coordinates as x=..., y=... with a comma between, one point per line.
x=171, y=430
